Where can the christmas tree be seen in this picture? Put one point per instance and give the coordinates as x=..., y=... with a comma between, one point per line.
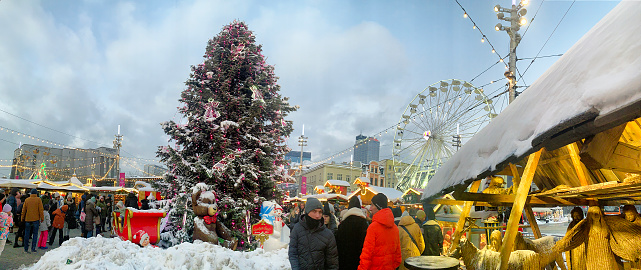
x=234, y=136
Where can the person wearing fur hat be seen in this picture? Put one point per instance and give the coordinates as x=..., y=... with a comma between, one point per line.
x=311, y=244
x=350, y=235
x=382, y=247
x=6, y=222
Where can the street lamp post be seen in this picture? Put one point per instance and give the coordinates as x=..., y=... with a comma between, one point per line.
x=302, y=142
x=117, y=145
x=516, y=20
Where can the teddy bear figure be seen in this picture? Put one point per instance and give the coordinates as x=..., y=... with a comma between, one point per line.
x=207, y=225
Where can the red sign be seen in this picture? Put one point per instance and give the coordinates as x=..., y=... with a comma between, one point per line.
x=262, y=227
x=122, y=179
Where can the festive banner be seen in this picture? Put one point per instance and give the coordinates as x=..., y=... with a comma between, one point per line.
x=121, y=179
x=303, y=186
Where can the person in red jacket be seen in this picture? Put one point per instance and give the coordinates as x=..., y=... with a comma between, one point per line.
x=382, y=248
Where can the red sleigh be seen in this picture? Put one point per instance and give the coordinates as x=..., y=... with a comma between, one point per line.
x=135, y=220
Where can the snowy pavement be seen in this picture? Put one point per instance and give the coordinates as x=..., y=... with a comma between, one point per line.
x=113, y=253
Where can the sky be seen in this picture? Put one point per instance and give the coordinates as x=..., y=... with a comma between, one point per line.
x=72, y=71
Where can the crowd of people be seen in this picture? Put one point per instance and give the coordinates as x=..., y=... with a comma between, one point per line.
x=38, y=219
x=324, y=236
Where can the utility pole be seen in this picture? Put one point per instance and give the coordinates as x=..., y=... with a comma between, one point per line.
x=302, y=142
x=516, y=20
x=117, y=145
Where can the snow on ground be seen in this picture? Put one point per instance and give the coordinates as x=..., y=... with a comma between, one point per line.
x=113, y=253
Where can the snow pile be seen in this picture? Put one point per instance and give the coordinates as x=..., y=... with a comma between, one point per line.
x=113, y=253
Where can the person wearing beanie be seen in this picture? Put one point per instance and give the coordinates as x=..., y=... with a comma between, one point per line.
x=350, y=235
x=58, y=224
x=144, y=204
x=420, y=217
x=311, y=244
x=328, y=217
x=432, y=233
x=101, y=206
x=6, y=222
x=382, y=247
x=32, y=215
x=90, y=212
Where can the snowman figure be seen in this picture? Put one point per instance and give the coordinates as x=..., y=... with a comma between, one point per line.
x=272, y=213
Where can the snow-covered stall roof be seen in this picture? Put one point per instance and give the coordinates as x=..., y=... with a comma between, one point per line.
x=337, y=183
x=18, y=183
x=363, y=180
x=391, y=193
x=327, y=196
x=594, y=86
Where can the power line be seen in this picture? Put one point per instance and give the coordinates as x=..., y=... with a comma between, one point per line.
x=545, y=56
x=546, y=42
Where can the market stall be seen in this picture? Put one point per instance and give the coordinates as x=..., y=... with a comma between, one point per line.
x=575, y=133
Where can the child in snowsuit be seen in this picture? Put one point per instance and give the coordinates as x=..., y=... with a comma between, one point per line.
x=6, y=222
x=44, y=228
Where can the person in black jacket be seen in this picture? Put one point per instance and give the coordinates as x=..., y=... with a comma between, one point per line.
x=328, y=218
x=311, y=244
x=131, y=201
x=432, y=233
x=350, y=235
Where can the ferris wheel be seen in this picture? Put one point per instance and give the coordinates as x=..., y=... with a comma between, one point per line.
x=433, y=126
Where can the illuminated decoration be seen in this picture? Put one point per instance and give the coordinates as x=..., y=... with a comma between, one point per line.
x=427, y=134
x=41, y=173
x=337, y=186
x=367, y=192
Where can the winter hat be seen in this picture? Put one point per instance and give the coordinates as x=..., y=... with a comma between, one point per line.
x=6, y=208
x=56, y=195
x=397, y=212
x=120, y=205
x=420, y=214
x=139, y=237
x=93, y=200
x=326, y=211
x=380, y=201
x=354, y=202
x=312, y=203
x=101, y=197
x=405, y=213
x=34, y=191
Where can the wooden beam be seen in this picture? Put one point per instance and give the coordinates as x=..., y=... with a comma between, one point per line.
x=532, y=220
x=516, y=179
x=597, y=150
x=626, y=158
x=508, y=199
x=576, y=161
x=517, y=208
x=461, y=221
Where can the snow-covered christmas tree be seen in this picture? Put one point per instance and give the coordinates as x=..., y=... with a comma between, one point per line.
x=232, y=138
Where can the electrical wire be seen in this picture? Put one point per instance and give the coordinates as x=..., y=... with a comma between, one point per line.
x=546, y=42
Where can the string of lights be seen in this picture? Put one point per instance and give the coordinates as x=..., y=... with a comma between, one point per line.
x=61, y=132
x=484, y=37
x=380, y=133
x=41, y=140
x=135, y=167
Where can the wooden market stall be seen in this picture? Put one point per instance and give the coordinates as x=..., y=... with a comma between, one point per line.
x=337, y=186
x=575, y=133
